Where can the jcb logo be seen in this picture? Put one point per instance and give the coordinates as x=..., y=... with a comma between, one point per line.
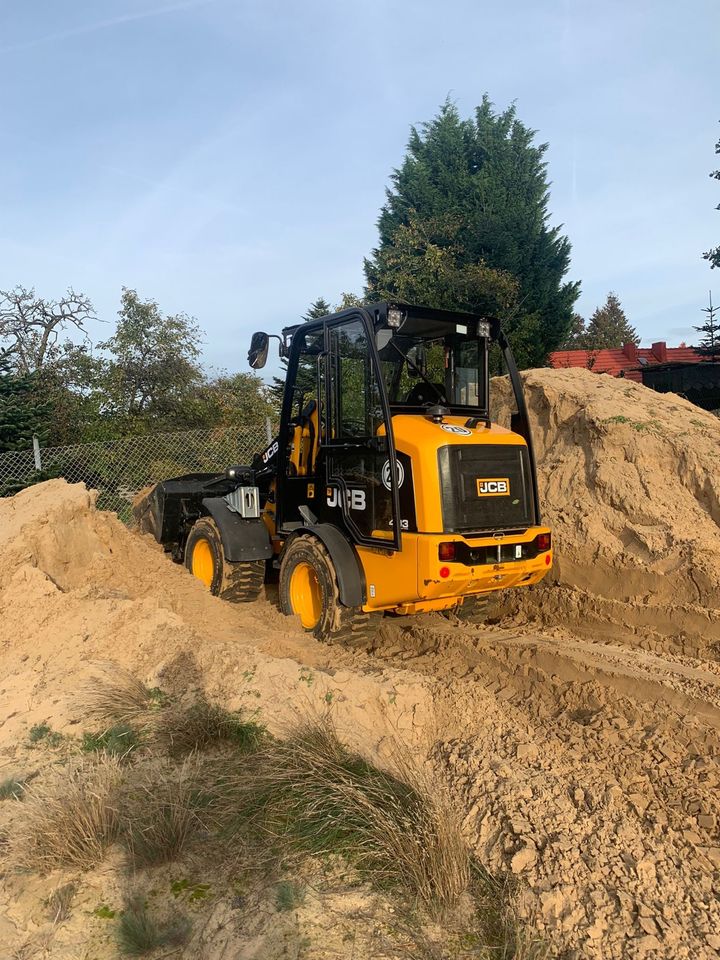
x=493, y=488
x=354, y=498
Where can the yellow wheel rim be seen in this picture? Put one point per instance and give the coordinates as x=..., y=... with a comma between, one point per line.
x=202, y=563
x=306, y=595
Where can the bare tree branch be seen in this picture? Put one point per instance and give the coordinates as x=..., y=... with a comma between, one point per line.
x=30, y=326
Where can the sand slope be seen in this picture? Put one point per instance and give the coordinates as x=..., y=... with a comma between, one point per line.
x=630, y=483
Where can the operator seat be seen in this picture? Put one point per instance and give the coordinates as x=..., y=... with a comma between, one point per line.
x=306, y=438
x=422, y=394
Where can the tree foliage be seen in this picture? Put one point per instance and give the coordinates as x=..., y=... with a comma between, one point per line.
x=317, y=309
x=34, y=329
x=152, y=365
x=230, y=400
x=22, y=414
x=713, y=255
x=465, y=226
x=575, y=339
x=710, y=342
x=608, y=327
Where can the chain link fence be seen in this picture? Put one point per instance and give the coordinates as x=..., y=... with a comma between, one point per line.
x=118, y=469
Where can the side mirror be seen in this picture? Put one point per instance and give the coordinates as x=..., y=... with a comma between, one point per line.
x=257, y=354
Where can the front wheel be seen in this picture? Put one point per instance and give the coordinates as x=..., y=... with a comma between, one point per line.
x=205, y=559
x=308, y=589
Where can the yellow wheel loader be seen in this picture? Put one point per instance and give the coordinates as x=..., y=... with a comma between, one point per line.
x=388, y=489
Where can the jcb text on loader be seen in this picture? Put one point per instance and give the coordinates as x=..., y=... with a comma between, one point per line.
x=388, y=488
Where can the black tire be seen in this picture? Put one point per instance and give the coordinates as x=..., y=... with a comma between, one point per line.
x=335, y=622
x=473, y=610
x=236, y=582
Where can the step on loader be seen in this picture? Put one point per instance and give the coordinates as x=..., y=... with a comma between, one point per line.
x=388, y=489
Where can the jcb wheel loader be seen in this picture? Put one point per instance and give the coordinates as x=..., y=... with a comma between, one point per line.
x=388, y=488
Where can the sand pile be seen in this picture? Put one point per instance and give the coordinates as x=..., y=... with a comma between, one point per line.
x=78, y=588
x=588, y=771
x=630, y=483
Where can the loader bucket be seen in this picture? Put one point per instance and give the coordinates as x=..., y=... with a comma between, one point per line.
x=144, y=511
x=168, y=509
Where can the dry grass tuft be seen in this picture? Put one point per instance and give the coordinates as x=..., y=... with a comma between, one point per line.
x=309, y=794
x=162, y=809
x=182, y=729
x=114, y=696
x=70, y=820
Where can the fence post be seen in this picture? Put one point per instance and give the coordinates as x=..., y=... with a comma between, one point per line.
x=36, y=454
x=268, y=429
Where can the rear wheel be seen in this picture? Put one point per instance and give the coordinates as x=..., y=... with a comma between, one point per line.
x=205, y=559
x=308, y=589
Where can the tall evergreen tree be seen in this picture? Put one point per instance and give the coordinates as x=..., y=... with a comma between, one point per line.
x=471, y=198
x=714, y=255
x=608, y=327
x=710, y=343
x=319, y=308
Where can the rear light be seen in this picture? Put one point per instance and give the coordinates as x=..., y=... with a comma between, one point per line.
x=447, y=551
x=543, y=541
x=444, y=572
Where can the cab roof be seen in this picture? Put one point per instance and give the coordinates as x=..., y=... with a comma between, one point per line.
x=414, y=319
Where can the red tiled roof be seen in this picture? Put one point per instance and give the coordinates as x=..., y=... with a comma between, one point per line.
x=622, y=359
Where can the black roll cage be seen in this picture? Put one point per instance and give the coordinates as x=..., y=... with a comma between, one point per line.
x=374, y=317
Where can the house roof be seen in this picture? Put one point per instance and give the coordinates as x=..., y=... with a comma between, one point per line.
x=627, y=360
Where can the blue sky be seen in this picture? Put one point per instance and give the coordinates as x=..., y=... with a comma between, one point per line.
x=228, y=158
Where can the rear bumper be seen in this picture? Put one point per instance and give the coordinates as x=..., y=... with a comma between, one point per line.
x=438, y=585
x=438, y=579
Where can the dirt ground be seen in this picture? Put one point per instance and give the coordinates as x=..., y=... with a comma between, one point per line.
x=579, y=730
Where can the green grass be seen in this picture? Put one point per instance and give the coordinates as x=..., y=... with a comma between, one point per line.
x=185, y=729
x=104, y=912
x=43, y=733
x=289, y=895
x=639, y=425
x=139, y=933
x=12, y=788
x=118, y=741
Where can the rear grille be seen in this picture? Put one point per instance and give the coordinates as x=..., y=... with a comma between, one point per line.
x=470, y=478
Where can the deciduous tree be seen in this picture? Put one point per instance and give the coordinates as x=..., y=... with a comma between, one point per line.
x=152, y=366
x=34, y=330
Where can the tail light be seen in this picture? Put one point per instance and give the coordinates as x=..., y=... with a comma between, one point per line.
x=447, y=551
x=543, y=542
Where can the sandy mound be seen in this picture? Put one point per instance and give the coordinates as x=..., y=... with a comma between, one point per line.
x=630, y=483
x=590, y=772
